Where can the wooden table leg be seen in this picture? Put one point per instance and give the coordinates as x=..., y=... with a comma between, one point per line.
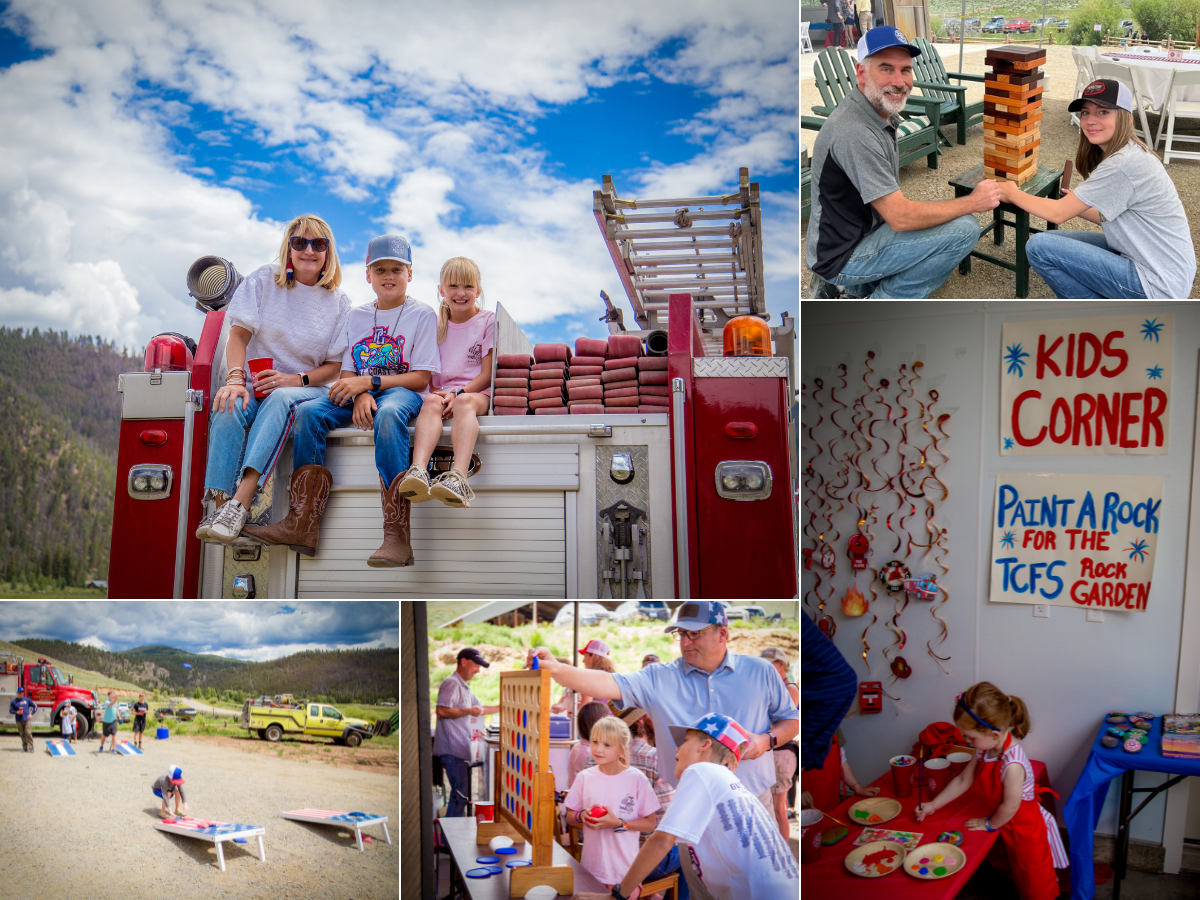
x=1022, y=259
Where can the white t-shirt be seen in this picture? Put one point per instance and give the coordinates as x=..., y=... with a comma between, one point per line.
x=299, y=327
x=391, y=341
x=738, y=849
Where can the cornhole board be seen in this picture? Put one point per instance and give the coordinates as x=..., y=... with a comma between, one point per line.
x=59, y=748
x=356, y=820
x=127, y=749
x=216, y=832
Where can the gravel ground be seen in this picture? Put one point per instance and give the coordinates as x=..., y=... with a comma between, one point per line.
x=83, y=827
x=1059, y=141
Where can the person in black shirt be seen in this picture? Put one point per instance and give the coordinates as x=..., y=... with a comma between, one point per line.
x=139, y=720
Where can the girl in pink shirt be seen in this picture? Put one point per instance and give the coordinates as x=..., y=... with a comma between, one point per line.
x=461, y=391
x=610, y=842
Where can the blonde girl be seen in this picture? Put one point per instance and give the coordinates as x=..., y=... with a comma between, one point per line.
x=627, y=798
x=461, y=391
x=1146, y=249
x=993, y=723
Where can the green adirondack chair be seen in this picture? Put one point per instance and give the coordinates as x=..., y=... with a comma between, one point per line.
x=930, y=75
x=917, y=135
x=813, y=124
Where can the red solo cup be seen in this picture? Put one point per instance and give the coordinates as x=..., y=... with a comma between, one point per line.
x=810, y=835
x=903, y=768
x=484, y=812
x=937, y=775
x=259, y=364
x=958, y=761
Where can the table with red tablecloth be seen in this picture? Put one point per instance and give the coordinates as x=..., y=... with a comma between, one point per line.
x=829, y=877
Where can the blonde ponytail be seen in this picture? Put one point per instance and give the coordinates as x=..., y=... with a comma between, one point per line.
x=460, y=270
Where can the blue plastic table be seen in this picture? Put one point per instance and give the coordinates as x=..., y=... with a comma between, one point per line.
x=1082, y=810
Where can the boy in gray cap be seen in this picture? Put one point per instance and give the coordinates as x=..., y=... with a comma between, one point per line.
x=391, y=354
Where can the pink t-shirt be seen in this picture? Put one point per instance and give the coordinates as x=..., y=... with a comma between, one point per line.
x=463, y=350
x=608, y=855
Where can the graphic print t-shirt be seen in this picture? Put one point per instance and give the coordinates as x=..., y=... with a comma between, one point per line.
x=738, y=849
x=608, y=855
x=463, y=350
x=392, y=341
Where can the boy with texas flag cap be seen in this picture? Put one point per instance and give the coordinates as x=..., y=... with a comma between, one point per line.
x=731, y=849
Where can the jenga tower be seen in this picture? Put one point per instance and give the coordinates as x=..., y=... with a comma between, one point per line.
x=1012, y=113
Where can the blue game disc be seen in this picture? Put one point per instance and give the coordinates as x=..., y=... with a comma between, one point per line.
x=490, y=860
x=519, y=862
x=535, y=663
x=495, y=870
x=239, y=840
x=506, y=851
x=480, y=873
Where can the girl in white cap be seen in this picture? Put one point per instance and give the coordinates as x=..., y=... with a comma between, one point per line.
x=1145, y=250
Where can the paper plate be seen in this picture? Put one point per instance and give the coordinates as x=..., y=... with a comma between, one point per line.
x=875, y=859
x=932, y=861
x=874, y=811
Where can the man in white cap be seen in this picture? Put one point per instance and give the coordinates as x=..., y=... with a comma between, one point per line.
x=707, y=678
x=456, y=702
x=865, y=238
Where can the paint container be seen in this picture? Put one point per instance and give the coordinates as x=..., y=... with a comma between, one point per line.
x=958, y=761
x=810, y=835
x=903, y=772
x=937, y=775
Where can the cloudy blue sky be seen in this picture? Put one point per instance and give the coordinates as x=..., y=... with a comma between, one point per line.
x=245, y=630
x=139, y=135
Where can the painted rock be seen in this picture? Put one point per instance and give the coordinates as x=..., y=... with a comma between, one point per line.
x=1116, y=720
x=1118, y=731
x=951, y=837
x=1149, y=717
x=1110, y=742
x=834, y=834
x=1133, y=745
x=1140, y=736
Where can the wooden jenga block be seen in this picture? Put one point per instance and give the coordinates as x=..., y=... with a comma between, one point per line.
x=1017, y=54
x=1026, y=78
x=1012, y=113
x=1020, y=103
x=1022, y=128
x=1004, y=176
x=991, y=148
x=1010, y=141
x=1008, y=166
x=1008, y=89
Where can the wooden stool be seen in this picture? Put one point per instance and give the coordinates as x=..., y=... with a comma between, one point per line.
x=668, y=884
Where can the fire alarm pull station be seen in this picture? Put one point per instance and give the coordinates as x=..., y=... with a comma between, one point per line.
x=870, y=696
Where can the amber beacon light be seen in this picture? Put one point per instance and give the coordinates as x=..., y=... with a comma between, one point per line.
x=747, y=336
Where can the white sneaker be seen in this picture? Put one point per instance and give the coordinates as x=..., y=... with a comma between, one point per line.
x=228, y=523
x=213, y=505
x=452, y=489
x=415, y=485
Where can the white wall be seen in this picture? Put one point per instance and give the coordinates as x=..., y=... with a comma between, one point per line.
x=1069, y=672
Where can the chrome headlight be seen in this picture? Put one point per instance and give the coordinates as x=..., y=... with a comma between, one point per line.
x=743, y=479
x=150, y=482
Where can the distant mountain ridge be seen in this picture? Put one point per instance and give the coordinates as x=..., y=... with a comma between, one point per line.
x=342, y=675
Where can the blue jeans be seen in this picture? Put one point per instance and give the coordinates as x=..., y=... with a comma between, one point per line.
x=669, y=864
x=907, y=265
x=1078, y=265
x=231, y=452
x=396, y=407
x=458, y=773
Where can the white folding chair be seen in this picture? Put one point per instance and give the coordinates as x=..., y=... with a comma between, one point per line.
x=1083, y=77
x=805, y=41
x=1177, y=108
x=1128, y=76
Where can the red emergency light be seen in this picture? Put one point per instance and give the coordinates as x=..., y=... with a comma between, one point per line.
x=168, y=353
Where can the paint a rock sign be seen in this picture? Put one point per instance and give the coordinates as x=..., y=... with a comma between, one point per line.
x=1086, y=386
x=1075, y=540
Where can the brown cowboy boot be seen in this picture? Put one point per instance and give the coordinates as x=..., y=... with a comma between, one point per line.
x=396, y=549
x=301, y=529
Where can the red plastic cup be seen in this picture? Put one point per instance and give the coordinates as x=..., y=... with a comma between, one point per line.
x=259, y=364
x=484, y=812
x=810, y=835
x=903, y=769
x=937, y=775
x=958, y=761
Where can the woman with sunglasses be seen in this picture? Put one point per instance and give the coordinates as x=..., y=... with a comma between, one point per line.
x=293, y=313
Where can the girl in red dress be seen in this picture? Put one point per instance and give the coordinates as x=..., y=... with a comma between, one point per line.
x=993, y=723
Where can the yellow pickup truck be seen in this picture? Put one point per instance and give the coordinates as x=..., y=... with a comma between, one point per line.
x=317, y=719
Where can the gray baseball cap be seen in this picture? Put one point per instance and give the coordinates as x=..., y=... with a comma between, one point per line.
x=389, y=246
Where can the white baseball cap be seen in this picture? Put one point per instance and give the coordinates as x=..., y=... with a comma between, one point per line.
x=597, y=648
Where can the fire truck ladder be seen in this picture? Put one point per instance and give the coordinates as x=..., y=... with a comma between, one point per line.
x=710, y=247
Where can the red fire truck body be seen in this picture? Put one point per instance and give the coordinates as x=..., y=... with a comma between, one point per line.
x=46, y=686
x=696, y=501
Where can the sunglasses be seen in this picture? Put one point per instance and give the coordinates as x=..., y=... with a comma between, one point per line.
x=319, y=245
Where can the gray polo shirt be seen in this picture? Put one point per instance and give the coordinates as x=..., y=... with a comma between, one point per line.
x=855, y=161
x=453, y=736
x=1144, y=220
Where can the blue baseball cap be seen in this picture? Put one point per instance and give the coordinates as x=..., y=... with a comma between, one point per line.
x=883, y=37
x=694, y=616
x=389, y=246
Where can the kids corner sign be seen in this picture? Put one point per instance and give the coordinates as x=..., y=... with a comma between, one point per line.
x=1086, y=386
x=1075, y=540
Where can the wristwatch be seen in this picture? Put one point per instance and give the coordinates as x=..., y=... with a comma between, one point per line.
x=376, y=384
x=774, y=739
x=304, y=379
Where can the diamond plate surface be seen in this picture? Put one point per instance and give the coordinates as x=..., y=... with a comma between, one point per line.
x=636, y=493
x=740, y=367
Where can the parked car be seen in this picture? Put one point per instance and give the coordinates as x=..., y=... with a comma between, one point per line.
x=1064, y=24
x=164, y=712
x=185, y=713
x=736, y=613
x=755, y=612
x=972, y=24
x=645, y=609
x=995, y=25
x=1048, y=22
x=589, y=614
x=1017, y=26
x=1127, y=25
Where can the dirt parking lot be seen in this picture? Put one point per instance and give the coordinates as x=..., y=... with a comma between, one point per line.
x=84, y=826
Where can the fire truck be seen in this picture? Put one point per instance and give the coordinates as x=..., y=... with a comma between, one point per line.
x=697, y=501
x=49, y=688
